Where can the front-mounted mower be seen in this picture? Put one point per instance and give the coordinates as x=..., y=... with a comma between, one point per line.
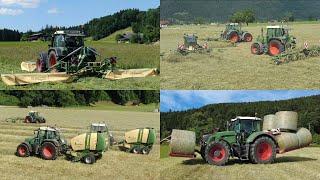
x=191, y=45
x=67, y=53
x=274, y=42
x=47, y=143
x=234, y=33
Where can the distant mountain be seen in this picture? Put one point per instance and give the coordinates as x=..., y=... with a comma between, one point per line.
x=216, y=115
x=221, y=10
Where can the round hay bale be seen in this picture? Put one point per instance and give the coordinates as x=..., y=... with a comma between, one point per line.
x=287, y=141
x=287, y=120
x=269, y=122
x=305, y=137
x=182, y=142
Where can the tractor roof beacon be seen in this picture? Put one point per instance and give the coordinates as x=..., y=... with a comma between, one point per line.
x=274, y=42
x=47, y=143
x=234, y=33
x=243, y=139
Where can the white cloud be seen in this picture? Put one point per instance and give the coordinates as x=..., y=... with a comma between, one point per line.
x=53, y=11
x=21, y=3
x=10, y=12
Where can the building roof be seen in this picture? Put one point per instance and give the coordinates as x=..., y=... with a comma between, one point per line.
x=246, y=117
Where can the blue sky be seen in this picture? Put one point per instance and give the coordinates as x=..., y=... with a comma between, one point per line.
x=24, y=15
x=185, y=99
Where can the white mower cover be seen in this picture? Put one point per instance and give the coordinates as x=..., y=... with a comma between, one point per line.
x=129, y=73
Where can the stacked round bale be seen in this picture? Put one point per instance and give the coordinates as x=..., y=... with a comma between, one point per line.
x=290, y=137
x=182, y=143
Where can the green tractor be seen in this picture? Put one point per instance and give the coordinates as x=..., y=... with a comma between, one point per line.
x=234, y=33
x=276, y=41
x=47, y=143
x=67, y=53
x=34, y=117
x=191, y=45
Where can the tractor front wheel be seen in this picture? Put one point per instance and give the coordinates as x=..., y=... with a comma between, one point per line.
x=217, y=153
x=247, y=37
x=263, y=151
x=27, y=119
x=48, y=151
x=234, y=37
x=275, y=47
x=89, y=159
x=256, y=49
x=23, y=151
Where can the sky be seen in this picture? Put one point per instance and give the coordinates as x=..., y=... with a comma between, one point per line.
x=26, y=15
x=188, y=99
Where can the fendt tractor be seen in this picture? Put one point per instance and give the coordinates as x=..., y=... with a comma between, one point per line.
x=276, y=41
x=244, y=139
x=139, y=141
x=34, y=117
x=191, y=45
x=234, y=33
x=67, y=53
x=47, y=143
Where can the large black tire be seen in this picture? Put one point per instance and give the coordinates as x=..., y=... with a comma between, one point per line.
x=42, y=120
x=89, y=159
x=256, y=49
x=247, y=37
x=48, y=151
x=145, y=150
x=202, y=153
x=28, y=119
x=23, y=150
x=275, y=47
x=263, y=151
x=52, y=61
x=234, y=37
x=136, y=150
x=217, y=153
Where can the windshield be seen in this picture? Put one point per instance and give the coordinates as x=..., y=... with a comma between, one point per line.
x=74, y=41
x=59, y=41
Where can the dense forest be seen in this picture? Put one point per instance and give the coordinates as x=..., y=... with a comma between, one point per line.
x=74, y=98
x=9, y=35
x=216, y=115
x=145, y=22
x=190, y=11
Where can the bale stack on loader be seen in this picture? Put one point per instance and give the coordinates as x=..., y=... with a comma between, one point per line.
x=244, y=139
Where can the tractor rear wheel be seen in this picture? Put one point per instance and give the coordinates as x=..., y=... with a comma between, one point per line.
x=256, y=49
x=52, y=61
x=234, y=37
x=263, y=151
x=48, y=151
x=23, y=150
x=89, y=159
x=247, y=37
x=275, y=47
x=27, y=119
x=217, y=153
x=202, y=153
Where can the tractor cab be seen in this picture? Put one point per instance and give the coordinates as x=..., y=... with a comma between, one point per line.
x=245, y=126
x=276, y=31
x=33, y=114
x=190, y=40
x=233, y=26
x=67, y=39
x=47, y=133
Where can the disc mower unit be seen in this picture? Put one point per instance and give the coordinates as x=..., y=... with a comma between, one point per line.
x=139, y=141
x=34, y=117
x=243, y=139
x=234, y=33
x=191, y=45
x=47, y=143
x=276, y=41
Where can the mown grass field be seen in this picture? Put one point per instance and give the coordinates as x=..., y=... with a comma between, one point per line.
x=115, y=164
x=299, y=164
x=130, y=56
x=228, y=67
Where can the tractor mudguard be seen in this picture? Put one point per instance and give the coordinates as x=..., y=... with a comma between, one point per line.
x=53, y=141
x=256, y=135
x=29, y=146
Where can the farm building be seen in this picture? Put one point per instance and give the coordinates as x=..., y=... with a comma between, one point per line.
x=38, y=36
x=126, y=37
x=164, y=23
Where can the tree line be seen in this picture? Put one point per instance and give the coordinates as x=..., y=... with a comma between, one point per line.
x=206, y=118
x=10, y=35
x=74, y=98
x=206, y=11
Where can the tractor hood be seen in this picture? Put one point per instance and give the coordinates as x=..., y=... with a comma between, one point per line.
x=227, y=135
